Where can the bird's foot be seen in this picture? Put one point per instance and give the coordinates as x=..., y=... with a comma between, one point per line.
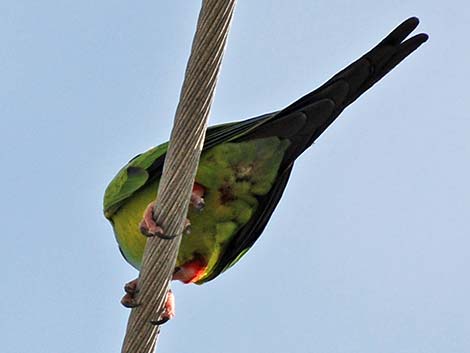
x=168, y=312
x=197, y=197
x=150, y=228
x=129, y=301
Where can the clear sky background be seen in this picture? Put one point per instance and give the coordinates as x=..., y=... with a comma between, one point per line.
x=369, y=250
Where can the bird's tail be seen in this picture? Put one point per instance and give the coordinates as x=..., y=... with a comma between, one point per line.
x=307, y=118
x=362, y=74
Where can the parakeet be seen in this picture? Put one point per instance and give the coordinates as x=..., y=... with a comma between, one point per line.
x=243, y=170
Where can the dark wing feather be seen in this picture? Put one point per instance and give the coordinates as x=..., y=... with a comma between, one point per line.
x=216, y=135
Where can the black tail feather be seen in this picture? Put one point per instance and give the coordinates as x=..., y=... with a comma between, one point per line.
x=367, y=70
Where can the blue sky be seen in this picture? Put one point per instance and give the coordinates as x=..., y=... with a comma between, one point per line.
x=368, y=250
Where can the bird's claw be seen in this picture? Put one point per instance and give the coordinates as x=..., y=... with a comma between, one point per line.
x=197, y=202
x=150, y=228
x=129, y=301
x=197, y=197
x=187, y=227
x=168, y=310
x=131, y=289
x=160, y=322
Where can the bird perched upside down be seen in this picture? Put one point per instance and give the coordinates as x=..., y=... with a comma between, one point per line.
x=243, y=171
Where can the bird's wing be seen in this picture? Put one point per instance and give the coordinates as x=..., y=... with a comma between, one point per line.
x=148, y=166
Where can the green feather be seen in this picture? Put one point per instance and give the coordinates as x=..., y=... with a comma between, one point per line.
x=130, y=179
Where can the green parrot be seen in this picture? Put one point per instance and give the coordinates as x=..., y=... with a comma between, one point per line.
x=243, y=171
